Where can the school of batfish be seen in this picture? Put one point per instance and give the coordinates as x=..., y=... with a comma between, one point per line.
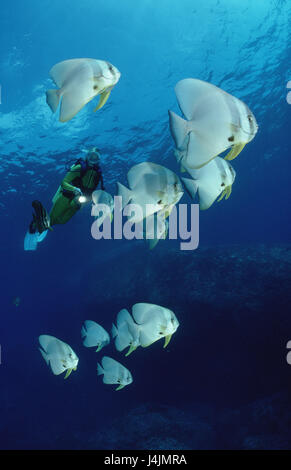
x=213, y=121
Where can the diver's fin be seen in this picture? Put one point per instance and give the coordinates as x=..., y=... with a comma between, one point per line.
x=53, y=99
x=103, y=98
x=30, y=241
x=41, y=217
x=41, y=236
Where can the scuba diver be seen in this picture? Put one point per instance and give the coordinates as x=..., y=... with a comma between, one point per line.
x=76, y=189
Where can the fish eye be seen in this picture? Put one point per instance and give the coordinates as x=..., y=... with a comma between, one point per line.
x=222, y=184
x=160, y=201
x=250, y=118
x=110, y=68
x=95, y=87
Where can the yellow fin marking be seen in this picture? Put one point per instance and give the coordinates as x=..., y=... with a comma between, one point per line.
x=68, y=373
x=120, y=387
x=167, y=340
x=222, y=195
x=235, y=151
x=131, y=349
x=103, y=98
x=228, y=192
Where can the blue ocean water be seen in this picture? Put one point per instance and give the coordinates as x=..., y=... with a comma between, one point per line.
x=223, y=381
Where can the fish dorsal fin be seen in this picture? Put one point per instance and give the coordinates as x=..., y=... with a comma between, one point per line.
x=197, y=98
x=138, y=171
x=211, y=113
x=93, y=333
x=45, y=340
x=62, y=71
x=141, y=312
x=123, y=317
x=95, y=328
x=110, y=365
x=90, y=324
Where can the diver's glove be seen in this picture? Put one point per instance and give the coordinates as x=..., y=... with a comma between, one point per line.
x=77, y=192
x=77, y=195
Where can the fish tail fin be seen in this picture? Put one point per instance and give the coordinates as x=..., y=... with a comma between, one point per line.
x=100, y=369
x=114, y=331
x=191, y=186
x=83, y=332
x=44, y=355
x=125, y=193
x=53, y=99
x=179, y=128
